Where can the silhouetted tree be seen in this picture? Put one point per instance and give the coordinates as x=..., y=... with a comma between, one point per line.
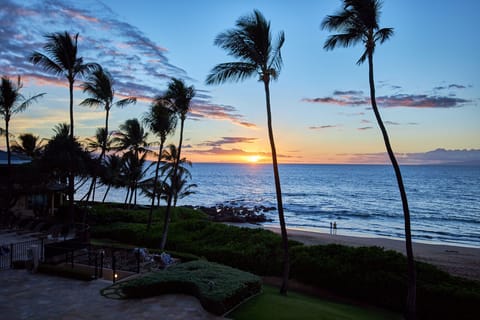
x=178, y=97
x=251, y=43
x=61, y=59
x=30, y=145
x=357, y=22
x=162, y=121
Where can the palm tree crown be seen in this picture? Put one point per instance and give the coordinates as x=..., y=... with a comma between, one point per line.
x=12, y=102
x=29, y=145
x=251, y=43
x=356, y=22
x=60, y=58
x=179, y=96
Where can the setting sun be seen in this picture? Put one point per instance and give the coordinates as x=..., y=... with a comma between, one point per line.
x=254, y=159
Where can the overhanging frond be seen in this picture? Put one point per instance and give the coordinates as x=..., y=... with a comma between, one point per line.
x=231, y=71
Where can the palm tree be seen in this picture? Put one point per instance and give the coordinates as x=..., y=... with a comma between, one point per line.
x=161, y=121
x=29, y=145
x=99, y=86
x=178, y=97
x=12, y=102
x=61, y=59
x=251, y=43
x=133, y=138
x=357, y=22
x=112, y=173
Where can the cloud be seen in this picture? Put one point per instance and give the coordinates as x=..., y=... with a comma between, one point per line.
x=437, y=156
x=392, y=123
x=139, y=66
x=356, y=98
x=450, y=86
x=329, y=126
x=235, y=152
x=364, y=128
x=347, y=93
x=228, y=140
x=202, y=110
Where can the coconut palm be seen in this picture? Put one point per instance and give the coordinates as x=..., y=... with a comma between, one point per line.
x=178, y=97
x=12, y=102
x=61, y=59
x=251, y=43
x=112, y=174
x=132, y=138
x=99, y=86
x=357, y=22
x=29, y=145
x=162, y=122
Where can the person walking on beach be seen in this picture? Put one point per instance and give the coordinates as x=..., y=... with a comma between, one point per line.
x=331, y=227
x=335, y=227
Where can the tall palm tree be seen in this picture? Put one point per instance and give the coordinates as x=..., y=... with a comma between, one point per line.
x=356, y=22
x=162, y=121
x=99, y=86
x=12, y=102
x=178, y=96
x=251, y=43
x=132, y=138
x=61, y=58
x=29, y=145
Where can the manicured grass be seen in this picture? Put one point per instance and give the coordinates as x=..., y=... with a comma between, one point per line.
x=271, y=305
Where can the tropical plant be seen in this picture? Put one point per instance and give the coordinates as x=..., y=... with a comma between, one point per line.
x=99, y=86
x=178, y=97
x=357, y=22
x=112, y=174
x=251, y=43
x=29, y=145
x=133, y=172
x=179, y=188
x=12, y=102
x=162, y=121
x=61, y=59
x=132, y=138
x=64, y=157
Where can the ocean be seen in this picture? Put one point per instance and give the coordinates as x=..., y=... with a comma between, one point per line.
x=363, y=200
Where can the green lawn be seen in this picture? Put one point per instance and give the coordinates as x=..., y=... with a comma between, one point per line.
x=271, y=305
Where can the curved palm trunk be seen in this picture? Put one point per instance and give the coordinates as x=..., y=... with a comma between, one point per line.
x=155, y=180
x=411, y=292
x=170, y=197
x=9, y=167
x=278, y=189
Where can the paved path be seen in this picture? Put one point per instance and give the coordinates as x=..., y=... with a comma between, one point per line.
x=36, y=296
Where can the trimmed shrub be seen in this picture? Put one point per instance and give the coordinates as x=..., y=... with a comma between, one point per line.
x=219, y=288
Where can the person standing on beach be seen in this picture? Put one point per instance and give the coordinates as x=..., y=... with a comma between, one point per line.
x=331, y=227
x=335, y=227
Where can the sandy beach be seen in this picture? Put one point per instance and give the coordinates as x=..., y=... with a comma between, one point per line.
x=460, y=261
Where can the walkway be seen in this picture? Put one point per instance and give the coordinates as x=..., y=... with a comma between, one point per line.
x=37, y=296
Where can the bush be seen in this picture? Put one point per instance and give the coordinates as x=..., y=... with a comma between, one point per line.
x=219, y=288
x=369, y=274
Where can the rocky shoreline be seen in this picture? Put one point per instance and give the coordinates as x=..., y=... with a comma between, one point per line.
x=241, y=214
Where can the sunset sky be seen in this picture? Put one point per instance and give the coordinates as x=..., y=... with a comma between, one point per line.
x=427, y=77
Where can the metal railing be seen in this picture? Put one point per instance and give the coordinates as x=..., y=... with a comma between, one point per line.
x=20, y=251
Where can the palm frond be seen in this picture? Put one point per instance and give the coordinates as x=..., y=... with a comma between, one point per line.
x=91, y=102
x=383, y=35
x=46, y=63
x=25, y=104
x=231, y=71
x=276, y=61
x=124, y=102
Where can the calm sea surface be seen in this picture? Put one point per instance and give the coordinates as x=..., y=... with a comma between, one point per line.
x=362, y=199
